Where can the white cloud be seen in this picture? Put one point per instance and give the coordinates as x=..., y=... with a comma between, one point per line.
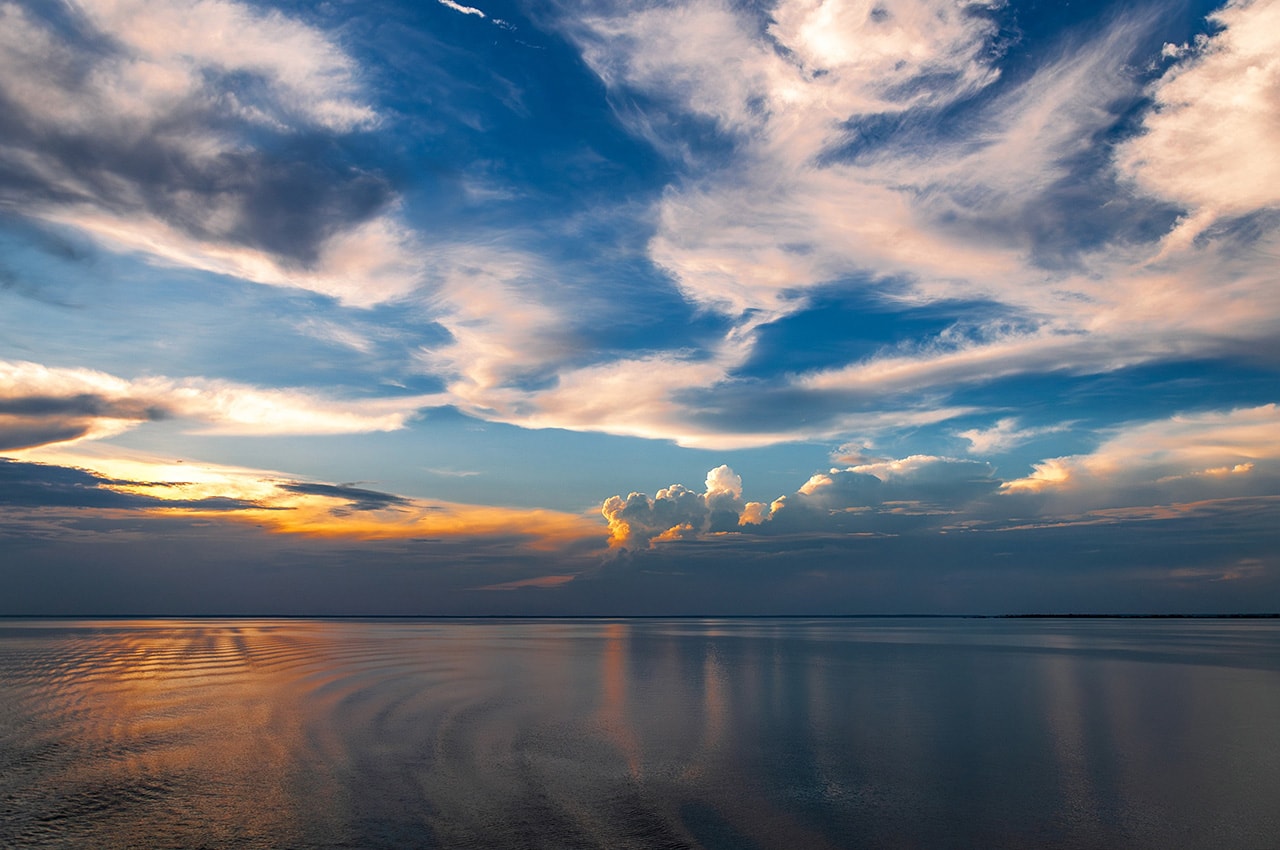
x=1211, y=144
x=368, y=264
x=174, y=174
x=837, y=501
x=677, y=512
x=724, y=481
x=770, y=213
x=52, y=405
x=510, y=318
x=170, y=45
x=458, y=7
x=1004, y=435
x=1188, y=456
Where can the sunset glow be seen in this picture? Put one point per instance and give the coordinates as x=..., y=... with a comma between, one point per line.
x=687, y=307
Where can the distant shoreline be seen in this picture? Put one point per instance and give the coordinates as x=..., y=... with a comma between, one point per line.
x=1058, y=616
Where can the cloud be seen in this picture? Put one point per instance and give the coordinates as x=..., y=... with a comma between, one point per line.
x=1004, y=435
x=510, y=319
x=367, y=263
x=185, y=132
x=676, y=511
x=41, y=405
x=38, y=485
x=1198, y=455
x=878, y=148
x=357, y=498
x=1208, y=144
x=742, y=238
x=538, y=582
x=819, y=189
x=1227, y=457
x=57, y=477
x=875, y=497
x=458, y=7
x=837, y=501
x=637, y=520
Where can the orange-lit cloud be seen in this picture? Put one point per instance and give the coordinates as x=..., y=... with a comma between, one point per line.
x=538, y=581
x=287, y=505
x=1214, y=445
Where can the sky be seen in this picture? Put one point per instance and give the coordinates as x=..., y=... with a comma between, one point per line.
x=619, y=307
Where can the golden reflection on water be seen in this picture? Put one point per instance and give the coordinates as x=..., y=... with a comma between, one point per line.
x=614, y=708
x=146, y=712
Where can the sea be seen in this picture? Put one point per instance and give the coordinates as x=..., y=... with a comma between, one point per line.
x=640, y=733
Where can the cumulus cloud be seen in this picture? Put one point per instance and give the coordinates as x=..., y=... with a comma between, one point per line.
x=1143, y=472
x=871, y=496
x=675, y=512
x=41, y=405
x=637, y=520
x=140, y=124
x=829, y=502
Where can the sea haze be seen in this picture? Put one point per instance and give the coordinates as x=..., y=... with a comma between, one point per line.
x=761, y=733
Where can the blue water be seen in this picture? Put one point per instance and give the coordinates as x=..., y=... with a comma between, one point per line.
x=640, y=733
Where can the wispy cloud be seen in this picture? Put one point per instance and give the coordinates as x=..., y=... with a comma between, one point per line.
x=143, y=130
x=1004, y=434
x=41, y=405
x=458, y=7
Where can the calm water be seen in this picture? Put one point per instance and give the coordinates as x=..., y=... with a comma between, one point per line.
x=640, y=733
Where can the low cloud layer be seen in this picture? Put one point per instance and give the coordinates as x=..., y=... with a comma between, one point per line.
x=58, y=478
x=838, y=501
x=1145, y=467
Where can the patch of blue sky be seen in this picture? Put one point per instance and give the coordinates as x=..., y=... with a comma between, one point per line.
x=1031, y=30
x=468, y=102
x=136, y=318
x=842, y=324
x=1099, y=401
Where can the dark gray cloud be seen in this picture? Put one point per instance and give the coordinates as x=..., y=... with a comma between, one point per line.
x=38, y=485
x=81, y=404
x=36, y=420
x=357, y=498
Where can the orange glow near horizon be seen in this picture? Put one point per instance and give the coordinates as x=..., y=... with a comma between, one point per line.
x=270, y=505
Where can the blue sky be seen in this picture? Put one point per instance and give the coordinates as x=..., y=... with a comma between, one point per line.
x=600, y=307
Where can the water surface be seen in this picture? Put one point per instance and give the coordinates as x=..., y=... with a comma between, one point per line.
x=639, y=733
